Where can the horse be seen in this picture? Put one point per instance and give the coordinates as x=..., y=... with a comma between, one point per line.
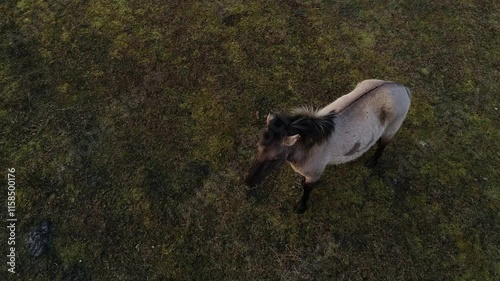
x=340, y=132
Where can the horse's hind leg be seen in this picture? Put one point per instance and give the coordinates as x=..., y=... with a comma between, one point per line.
x=382, y=144
x=386, y=137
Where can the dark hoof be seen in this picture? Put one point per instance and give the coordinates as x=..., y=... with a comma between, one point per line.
x=371, y=163
x=300, y=208
x=252, y=193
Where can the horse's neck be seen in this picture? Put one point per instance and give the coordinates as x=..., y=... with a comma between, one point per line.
x=346, y=100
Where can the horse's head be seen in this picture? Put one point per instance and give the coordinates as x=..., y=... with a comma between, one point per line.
x=272, y=149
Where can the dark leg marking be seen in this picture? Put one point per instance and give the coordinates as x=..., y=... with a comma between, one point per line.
x=301, y=206
x=380, y=148
x=252, y=193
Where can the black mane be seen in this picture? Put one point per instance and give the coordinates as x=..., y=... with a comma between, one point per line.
x=311, y=128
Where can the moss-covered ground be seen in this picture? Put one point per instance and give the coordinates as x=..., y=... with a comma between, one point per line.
x=132, y=123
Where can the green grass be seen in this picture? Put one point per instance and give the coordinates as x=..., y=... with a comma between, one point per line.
x=131, y=125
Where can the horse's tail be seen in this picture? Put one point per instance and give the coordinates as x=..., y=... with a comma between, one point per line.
x=408, y=92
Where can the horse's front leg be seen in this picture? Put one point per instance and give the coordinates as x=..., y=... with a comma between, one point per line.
x=308, y=184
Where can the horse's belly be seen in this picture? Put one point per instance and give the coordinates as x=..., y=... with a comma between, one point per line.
x=354, y=148
x=343, y=158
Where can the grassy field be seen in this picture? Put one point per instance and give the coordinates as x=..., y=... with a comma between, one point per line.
x=131, y=125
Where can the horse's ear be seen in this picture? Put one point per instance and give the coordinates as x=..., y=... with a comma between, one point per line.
x=270, y=116
x=291, y=140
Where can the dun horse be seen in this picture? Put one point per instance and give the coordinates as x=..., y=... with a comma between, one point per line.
x=340, y=132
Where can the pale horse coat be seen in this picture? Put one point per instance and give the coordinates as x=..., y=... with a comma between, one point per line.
x=374, y=110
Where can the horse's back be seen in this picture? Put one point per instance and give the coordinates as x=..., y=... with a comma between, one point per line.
x=386, y=104
x=346, y=100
